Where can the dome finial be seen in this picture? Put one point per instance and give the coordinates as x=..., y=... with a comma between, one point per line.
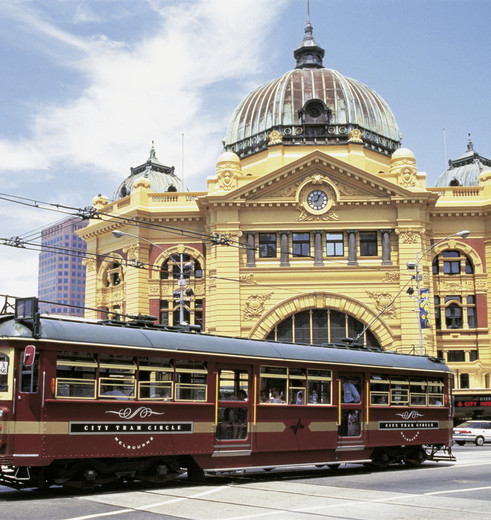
x=152, y=151
x=309, y=54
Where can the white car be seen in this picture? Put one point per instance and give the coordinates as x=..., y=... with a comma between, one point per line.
x=477, y=432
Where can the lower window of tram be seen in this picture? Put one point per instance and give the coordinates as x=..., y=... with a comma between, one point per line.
x=318, y=326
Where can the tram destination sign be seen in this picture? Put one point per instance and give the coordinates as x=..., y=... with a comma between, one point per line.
x=408, y=425
x=128, y=428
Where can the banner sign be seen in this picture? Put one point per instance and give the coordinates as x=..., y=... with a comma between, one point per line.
x=424, y=303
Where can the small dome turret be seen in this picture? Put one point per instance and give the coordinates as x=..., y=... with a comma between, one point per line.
x=466, y=170
x=160, y=177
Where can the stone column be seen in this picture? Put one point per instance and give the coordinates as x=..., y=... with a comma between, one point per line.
x=318, y=248
x=352, y=256
x=251, y=250
x=386, y=247
x=285, y=254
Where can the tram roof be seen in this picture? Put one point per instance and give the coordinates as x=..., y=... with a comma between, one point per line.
x=108, y=334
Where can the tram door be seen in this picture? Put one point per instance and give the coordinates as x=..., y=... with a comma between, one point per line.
x=350, y=412
x=233, y=412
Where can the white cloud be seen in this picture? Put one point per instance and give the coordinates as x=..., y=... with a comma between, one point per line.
x=155, y=89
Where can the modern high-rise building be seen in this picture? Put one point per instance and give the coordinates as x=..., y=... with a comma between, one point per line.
x=61, y=279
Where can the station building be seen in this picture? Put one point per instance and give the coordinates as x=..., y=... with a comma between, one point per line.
x=313, y=228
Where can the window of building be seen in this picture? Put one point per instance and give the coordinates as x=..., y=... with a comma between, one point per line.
x=455, y=356
x=114, y=274
x=321, y=326
x=334, y=244
x=471, y=312
x=452, y=262
x=453, y=312
x=301, y=244
x=473, y=355
x=464, y=380
x=267, y=245
x=368, y=243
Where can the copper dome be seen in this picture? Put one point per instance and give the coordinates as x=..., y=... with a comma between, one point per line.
x=312, y=105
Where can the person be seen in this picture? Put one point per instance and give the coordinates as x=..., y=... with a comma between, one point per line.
x=314, y=397
x=299, y=398
x=241, y=395
x=275, y=396
x=350, y=393
x=264, y=396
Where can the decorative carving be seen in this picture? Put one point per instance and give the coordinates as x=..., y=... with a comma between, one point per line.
x=307, y=217
x=255, y=305
x=317, y=178
x=248, y=279
x=409, y=237
x=391, y=277
x=407, y=177
x=344, y=189
x=355, y=136
x=90, y=264
x=382, y=299
x=154, y=288
x=132, y=252
x=275, y=137
x=227, y=174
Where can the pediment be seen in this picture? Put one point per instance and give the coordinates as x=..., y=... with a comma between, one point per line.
x=346, y=182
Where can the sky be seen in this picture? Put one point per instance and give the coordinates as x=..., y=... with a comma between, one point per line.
x=86, y=86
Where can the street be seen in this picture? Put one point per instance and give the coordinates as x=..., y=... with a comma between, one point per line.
x=435, y=490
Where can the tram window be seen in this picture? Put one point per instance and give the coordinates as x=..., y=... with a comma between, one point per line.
x=117, y=377
x=296, y=386
x=435, y=392
x=232, y=423
x=75, y=375
x=319, y=386
x=379, y=390
x=156, y=377
x=273, y=384
x=399, y=391
x=418, y=391
x=4, y=372
x=190, y=381
x=233, y=385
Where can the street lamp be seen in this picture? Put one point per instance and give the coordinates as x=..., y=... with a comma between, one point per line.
x=180, y=264
x=418, y=277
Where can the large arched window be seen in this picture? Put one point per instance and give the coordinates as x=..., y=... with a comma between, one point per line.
x=170, y=301
x=452, y=262
x=321, y=326
x=191, y=267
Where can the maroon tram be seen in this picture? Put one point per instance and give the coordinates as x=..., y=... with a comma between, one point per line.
x=84, y=403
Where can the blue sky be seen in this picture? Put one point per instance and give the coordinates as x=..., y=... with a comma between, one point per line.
x=87, y=85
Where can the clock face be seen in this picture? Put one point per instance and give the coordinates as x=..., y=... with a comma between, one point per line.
x=317, y=199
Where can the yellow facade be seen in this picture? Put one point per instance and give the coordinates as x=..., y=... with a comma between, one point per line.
x=242, y=294
x=306, y=236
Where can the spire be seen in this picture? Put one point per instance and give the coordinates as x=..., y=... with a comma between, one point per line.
x=309, y=54
x=152, y=152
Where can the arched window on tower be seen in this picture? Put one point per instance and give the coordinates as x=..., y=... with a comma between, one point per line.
x=170, y=302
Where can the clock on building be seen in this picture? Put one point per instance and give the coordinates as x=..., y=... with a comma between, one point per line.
x=317, y=199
